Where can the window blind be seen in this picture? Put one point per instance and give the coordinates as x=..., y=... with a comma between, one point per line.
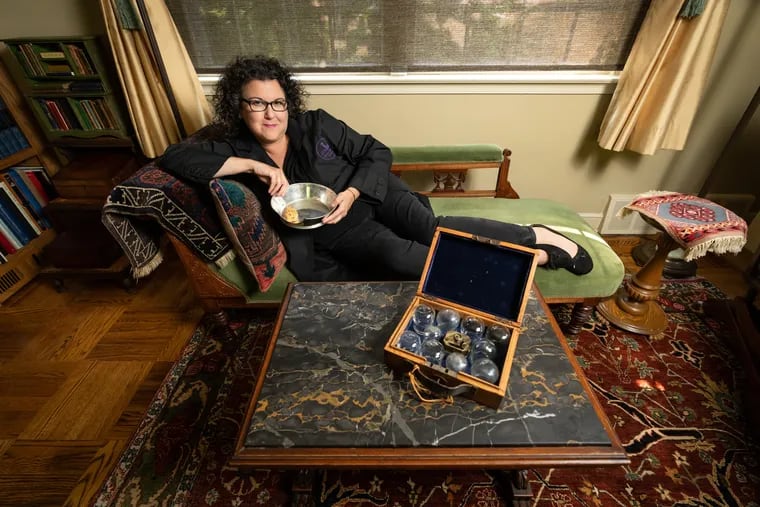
x=412, y=36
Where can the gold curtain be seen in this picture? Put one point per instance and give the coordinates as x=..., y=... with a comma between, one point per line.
x=147, y=98
x=662, y=82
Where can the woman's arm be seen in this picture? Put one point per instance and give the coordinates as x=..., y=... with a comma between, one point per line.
x=369, y=159
x=203, y=162
x=196, y=162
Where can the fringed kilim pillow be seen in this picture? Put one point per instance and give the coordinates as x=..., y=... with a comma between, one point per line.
x=257, y=244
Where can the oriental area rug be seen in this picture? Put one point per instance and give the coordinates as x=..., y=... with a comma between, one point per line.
x=673, y=400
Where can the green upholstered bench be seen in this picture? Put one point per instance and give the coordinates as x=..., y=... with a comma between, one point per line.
x=501, y=203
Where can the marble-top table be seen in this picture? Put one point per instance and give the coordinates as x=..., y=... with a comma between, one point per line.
x=327, y=398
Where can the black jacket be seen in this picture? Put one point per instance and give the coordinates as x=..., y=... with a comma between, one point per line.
x=322, y=149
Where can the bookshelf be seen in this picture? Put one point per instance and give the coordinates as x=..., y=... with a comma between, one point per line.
x=67, y=85
x=24, y=228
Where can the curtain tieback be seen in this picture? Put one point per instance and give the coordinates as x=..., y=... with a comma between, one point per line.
x=692, y=8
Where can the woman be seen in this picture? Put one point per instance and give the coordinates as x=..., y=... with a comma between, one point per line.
x=379, y=228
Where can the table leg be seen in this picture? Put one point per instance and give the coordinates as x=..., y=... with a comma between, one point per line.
x=581, y=314
x=521, y=492
x=302, y=488
x=674, y=267
x=515, y=486
x=634, y=307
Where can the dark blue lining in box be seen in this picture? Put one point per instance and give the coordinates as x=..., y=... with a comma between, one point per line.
x=487, y=277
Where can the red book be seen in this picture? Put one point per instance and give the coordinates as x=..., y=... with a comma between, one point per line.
x=5, y=244
x=37, y=189
x=55, y=110
x=9, y=235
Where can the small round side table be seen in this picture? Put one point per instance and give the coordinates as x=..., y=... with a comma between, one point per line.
x=694, y=224
x=634, y=307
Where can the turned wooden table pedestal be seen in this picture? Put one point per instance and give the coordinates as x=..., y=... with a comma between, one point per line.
x=634, y=307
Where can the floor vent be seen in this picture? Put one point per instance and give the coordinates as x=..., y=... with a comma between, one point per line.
x=8, y=280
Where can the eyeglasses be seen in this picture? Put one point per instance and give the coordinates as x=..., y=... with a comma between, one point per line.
x=257, y=105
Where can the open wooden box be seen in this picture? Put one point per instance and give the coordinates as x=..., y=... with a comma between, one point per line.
x=475, y=276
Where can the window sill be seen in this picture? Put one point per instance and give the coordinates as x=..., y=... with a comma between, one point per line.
x=520, y=83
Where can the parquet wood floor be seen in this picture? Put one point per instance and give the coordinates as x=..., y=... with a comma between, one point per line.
x=78, y=369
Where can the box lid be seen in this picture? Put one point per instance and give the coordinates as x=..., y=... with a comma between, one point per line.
x=486, y=275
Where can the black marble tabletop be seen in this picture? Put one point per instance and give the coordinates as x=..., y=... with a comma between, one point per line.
x=327, y=384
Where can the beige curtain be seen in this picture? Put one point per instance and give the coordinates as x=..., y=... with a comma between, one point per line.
x=147, y=98
x=662, y=82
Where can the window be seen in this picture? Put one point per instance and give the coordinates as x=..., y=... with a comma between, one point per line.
x=412, y=36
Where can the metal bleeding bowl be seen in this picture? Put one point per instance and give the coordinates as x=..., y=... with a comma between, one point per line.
x=312, y=201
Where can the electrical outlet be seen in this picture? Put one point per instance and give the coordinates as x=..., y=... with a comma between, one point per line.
x=631, y=224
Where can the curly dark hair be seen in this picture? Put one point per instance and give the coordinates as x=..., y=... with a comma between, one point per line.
x=241, y=71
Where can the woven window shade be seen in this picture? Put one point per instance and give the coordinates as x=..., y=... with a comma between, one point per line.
x=409, y=36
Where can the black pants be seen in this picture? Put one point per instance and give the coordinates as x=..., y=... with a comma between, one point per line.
x=396, y=236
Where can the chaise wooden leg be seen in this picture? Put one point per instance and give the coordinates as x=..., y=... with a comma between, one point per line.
x=218, y=321
x=581, y=314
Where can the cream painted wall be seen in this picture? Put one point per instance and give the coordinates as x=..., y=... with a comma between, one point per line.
x=50, y=18
x=552, y=136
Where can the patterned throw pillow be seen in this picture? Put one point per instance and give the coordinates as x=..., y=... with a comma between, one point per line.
x=255, y=242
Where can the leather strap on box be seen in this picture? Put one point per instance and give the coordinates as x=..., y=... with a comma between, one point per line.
x=431, y=388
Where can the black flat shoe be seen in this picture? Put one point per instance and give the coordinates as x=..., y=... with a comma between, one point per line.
x=559, y=258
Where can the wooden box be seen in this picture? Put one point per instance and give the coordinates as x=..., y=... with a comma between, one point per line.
x=477, y=277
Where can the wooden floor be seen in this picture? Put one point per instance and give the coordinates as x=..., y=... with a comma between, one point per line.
x=79, y=368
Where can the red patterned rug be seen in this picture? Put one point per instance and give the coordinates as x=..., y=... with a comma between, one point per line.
x=672, y=399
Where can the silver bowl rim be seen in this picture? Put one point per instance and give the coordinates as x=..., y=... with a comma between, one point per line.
x=278, y=203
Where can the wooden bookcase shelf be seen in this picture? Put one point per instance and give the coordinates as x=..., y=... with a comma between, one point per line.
x=66, y=82
x=22, y=265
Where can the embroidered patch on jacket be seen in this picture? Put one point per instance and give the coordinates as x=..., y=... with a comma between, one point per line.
x=324, y=150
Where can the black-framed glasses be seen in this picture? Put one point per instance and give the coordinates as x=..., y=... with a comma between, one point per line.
x=257, y=104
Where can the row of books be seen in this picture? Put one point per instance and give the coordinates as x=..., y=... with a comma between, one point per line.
x=43, y=61
x=81, y=62
x=24, y=193
x=12, y=140
x=78, y=114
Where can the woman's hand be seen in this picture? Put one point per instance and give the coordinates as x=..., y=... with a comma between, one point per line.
x=273, y=176
x=341, y=205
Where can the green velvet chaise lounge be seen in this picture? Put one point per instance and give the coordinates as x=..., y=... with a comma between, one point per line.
x=219, y=289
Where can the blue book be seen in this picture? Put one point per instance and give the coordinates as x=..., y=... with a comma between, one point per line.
x=19, y=137
x=25, y=194
x=6, y=149
x=22, y=185
x=10, y=222
x=13, y=217
x=22, y=209
x=11, y=138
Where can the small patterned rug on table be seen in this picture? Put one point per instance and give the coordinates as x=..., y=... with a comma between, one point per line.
x=672, y=399
x=695, y=224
